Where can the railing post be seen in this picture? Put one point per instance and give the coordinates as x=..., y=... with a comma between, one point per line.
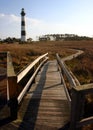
x=12, y=87
x=77, y=105
x=13, y=103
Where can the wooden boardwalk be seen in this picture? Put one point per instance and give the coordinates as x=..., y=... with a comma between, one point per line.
x=45, y=107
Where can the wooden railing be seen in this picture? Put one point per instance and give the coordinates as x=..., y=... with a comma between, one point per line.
x=76, y=97
x=11, y=78
x=64, y=71
x=77, y=106
x=32, y=68
x=17, y=85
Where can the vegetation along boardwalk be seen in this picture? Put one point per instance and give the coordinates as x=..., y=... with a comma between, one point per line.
x=45, y=106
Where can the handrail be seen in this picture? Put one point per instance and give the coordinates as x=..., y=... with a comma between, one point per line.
x=61, y=65
x=77, y=106
x=14, y=81
x=11, y=78
x=33, y=66
x=21, y=95
x=85, y=121
x=85, y=89
x=10, y=68
x=11, y=87
x=77, y=99
x=29, y=67
x=65, y=70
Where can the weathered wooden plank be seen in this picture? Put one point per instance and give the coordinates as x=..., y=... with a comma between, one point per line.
x=45, y=107
x=49, y=96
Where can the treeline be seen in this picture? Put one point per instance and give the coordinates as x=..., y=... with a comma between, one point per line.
x=60, y=37
x=9, y=40
x=48, y=37
x=13, y=40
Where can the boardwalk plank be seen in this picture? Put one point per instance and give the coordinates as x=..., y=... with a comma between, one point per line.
x=45, y=107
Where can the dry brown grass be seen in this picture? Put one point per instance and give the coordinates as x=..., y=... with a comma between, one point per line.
x=82, y=66
x=24, y=53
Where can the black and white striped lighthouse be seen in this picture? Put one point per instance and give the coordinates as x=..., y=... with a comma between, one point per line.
x=23, y=32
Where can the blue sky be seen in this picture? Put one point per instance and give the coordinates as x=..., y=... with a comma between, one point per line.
x=46, y=17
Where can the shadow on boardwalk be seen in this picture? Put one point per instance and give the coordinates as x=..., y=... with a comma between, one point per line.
x=30, y=116
x=4, y=113
x=65, y=127
x=5, y=121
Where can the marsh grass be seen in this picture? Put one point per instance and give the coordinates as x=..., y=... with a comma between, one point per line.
x=82, y=66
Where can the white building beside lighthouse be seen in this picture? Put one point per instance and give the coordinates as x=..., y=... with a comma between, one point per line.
x=23, y=32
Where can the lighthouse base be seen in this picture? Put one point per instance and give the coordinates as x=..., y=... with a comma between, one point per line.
x=23, y=39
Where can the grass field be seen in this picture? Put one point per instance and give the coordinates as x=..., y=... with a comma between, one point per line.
x=82, y=66
x=25, y=53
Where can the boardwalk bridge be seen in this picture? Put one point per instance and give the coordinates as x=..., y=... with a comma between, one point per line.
x=45, y=95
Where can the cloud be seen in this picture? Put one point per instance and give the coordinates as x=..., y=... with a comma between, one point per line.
x=14, y=18
x=6, y=19
x=33, y=22
x=10, y=26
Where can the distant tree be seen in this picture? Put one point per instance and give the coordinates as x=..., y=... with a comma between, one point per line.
x=44, y=38
x=8, y=40
x=29, y=40
x=11, y=40
x=0, y=40
x=61, y=37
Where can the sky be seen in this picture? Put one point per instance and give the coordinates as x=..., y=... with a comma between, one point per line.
x=46, y=17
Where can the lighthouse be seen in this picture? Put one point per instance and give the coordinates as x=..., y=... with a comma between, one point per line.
x=23, y=32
